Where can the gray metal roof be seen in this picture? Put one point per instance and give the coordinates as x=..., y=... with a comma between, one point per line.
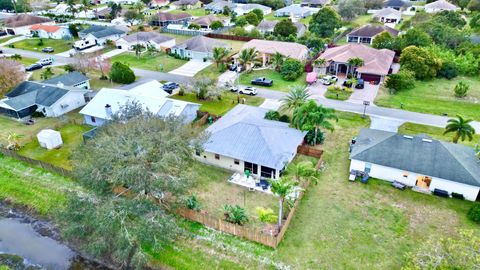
x=201, y=44
x=147, y=36
x=419, y=154
x=100, y=31
x=69, y=79
x=244, y=134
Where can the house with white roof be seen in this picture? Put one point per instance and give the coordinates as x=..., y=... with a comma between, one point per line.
x=440, y=5
x=145, y=39
x=150, y=95
x=294, y=11
x=241, y=9
x=243, y=140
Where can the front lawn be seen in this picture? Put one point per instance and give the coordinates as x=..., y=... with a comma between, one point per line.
x=162, y=62
x=71, y=137
x=279, y=84
x=196, y=12
x=338, y=93
x=31, y=44
x=435, y=97
x=220, y=107
x=26, y=61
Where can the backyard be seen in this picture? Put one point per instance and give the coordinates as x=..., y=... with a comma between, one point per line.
x=222, y=106
x=435, y=97
x=32, y=44
x=161, y=62
x=279, y=84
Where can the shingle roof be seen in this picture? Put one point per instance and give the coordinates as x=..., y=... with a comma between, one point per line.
x=147, y=36
x=375, y=61
x=388, y=11
x=206, y=20
x=201, y=44
x=100, y=31
x=397, y=3
x=441, y=4
x=266, y=25
x=372, y=30
x=244, y=134
x=434, y=158
x=295, y=9
x=252, y=6
x=166, y=16
x=186, y=2
x=287, y=49
x=24, y=20
x=69, y=79
x=219, y=5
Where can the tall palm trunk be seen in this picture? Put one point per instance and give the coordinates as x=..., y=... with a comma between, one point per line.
x=280, y=212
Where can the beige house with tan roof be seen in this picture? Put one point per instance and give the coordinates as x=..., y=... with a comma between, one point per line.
x=377, y=63
x=20, y=24
x=267, y=48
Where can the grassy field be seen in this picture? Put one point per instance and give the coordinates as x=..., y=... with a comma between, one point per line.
x=434, y=132
x=436, y=97
x=59, y=45
x=338, y=94
x=220, y=107
x=279, y=83
x=197, y=12
x=71, y=137
x=148, y=62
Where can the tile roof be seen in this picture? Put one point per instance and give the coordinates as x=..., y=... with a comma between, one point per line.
x=287, y=49
x=372, y=30
x=166, y=16
x=46, y=28
x=147, y=36
x=201, y=44
x=69, y=79
x=244, y=134
x=186, y=2
x=24, y=20
x=419, y=154
x=375, y=61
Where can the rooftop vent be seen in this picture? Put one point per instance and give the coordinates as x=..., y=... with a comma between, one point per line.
x=408, y=137
x=426, y=140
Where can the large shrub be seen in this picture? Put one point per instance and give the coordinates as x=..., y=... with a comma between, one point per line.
x=291, y=69
x=474, y=213
x=403, y=80
x=121, y=73
x=461, y=89
x=272, y=115
x=235, y=214
x=449, y=70
x=421, y=62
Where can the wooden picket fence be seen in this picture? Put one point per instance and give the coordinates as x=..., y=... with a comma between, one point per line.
x=309, y=151
x=228, y=37
x=37, y=163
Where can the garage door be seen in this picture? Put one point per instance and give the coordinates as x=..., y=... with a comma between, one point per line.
x=371, y=77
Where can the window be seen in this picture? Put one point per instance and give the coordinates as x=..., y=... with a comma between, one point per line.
x=267, y=172
x=217, y=156
x=197, y=152
x=251, y=167
x=368, y=167
x=92, y=119
x=236, y=161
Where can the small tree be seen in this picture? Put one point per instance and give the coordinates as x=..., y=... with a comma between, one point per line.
x=295, y=98
x=291, y=69
x=403, y=80
x=132, y=16
x=324, y=22
x=285, y=28
x=193, y=203
x=474, y=213
x=13, y=141
x=272, y=115
x=266, y=215
x=421, y=62
x=46, y=73
x=138, y=49
x=461, y=127
x=121, y=73
x=252, y=18
x=219, y=56
x=354, y=63
x=235, y=214
x=194, y=26
x=313, y=117
x=461, y=89
x=216, y=25
x=282, y=188
x=277, y=61
x=247, y=58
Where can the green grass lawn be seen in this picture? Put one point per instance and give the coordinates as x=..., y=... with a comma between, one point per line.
x=59, y=45
x=279, y=84
x=436, y=97
x=338, y=94
x=434, y=132
x=197, y=12
x=57, y=70
x=7, y=38
x=178, y=38
x=220, y=107
x=71, y=137
x=26, y=61
x=148, y=62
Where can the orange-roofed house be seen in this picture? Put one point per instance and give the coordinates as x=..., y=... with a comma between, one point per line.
x=50, y=31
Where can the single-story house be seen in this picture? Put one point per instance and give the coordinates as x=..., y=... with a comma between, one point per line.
x=417, y=161
x=150, y=95
x=100, y=34
x=218, y=6
x=158, y=3
x=198, y=47
x=267, y=48
x=241, y=9
x=367, y=33
x=21, y=24
x=295, y=10
x=155, y=39
x=400, y=5
x=388, y=15
x=314, y=3
x=50, y=31
x=205, y=21
x=440, y=5
x=244, y=140
x=187, y=4
x=51, y=100
x=71, y=79
x=377, y=63
x=163, y=19
x=267, y=27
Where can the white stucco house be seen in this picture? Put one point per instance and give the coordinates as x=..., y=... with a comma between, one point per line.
x=419, y=162
x=440, y=5
x=155, y=39
x=149, y=94
x=50, y=31
x=198, y=47
x=244, y=140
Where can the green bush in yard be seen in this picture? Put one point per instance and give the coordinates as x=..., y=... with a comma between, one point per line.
x=461, y=89
x=474, y=213
x=291, y=69
x=235, y=214
x=449, y=70
x=266, y=215
x=121, y=73
x=403, y=80
x=272, y=115
x=193, y=203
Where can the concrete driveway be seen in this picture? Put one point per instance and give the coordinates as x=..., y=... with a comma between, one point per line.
x=191, y=68
x=366, y=94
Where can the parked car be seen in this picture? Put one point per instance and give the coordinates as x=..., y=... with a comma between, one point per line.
x=48, y=50
x=262, y=81
x=170, y=86
x=234, y=88
x=33, y=67
x=249, y=90
x=360, y=84
x=233, y=67
x=329, y=79
x=3, y=33
x=45, y=61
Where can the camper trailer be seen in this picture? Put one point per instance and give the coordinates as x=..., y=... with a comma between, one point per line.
x=84, y=44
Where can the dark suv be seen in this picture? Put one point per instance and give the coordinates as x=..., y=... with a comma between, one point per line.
x=170, y=86
x=262, y=81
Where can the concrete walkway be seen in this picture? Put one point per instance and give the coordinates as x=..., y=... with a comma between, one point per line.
x=13, y=40
x=112, y=53
x=191, y=68
x=385, y=123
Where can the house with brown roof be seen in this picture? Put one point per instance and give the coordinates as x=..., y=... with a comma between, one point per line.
x=205, y=21
x=367, y=33
x=267, y=48
x=199, y=47
x=50, y=31
x=163, y=19
x=376, y=63
x=388, y=15
x=267, y=27
x=20, y=24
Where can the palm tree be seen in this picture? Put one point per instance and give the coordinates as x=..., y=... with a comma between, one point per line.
x=354, y=63
x=12, y=139
x=311, y=116
x=277, y=61
x=282, y=188
x=461, y=127
x=85, y=4
x=247, y=58
x=47, y=73
x=138, y=49
x=303, y=171
x=71, y=7
x=219, y=55
x=297, y=97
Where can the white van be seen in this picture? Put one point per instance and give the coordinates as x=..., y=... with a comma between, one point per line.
x=45, y=61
